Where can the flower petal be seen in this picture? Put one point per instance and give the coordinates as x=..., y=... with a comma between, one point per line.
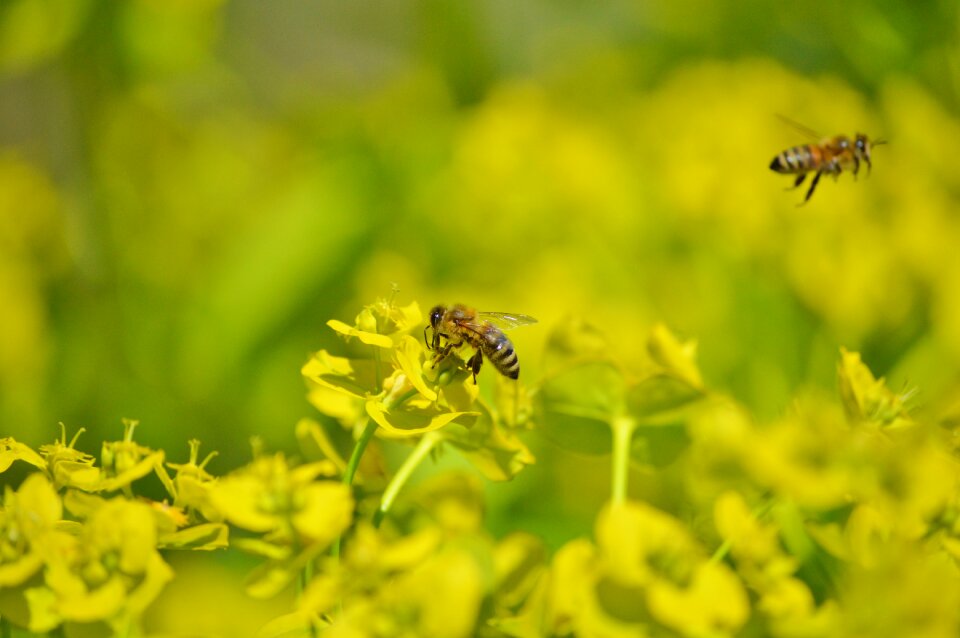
x=369, y=338
x=406, y=421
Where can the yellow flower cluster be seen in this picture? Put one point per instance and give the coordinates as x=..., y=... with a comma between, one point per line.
x=840, y=518
x=72, y=556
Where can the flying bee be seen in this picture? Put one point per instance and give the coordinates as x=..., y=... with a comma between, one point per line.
x=828, y=155
x=461, y=325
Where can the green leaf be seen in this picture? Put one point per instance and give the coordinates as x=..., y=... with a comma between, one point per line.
x=575, y=407
x=573, y=341
x=592, y=389
x=660, y=393
x=658, y=445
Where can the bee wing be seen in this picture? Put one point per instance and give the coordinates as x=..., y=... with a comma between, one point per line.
x=809, y=132
x=506, y=320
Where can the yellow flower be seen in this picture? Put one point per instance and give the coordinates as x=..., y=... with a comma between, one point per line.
x=11, y=450
x=866, y=398
x=192, y=483
x=416, y=585
x=809, y=457
x=28, y=517
x=110, y=573
x=381, y=324
x=126, y=461
x=289, y=503
x=646, y=571
x=68, y=466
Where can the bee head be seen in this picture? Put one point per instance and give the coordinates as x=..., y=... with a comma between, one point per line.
x=862, y=145
x=436, y=315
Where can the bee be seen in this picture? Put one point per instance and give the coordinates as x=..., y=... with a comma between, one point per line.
x=461, y=325
x=827, y=156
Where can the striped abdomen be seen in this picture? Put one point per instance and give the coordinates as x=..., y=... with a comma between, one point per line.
x=498, y=349
x=799, y=159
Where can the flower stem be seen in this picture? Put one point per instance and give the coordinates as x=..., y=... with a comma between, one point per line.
x=399, y=479
x=368, y=431
x=5, y=630
x=623, y=428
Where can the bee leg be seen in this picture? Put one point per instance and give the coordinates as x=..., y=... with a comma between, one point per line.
x=869, y=166
x=856, y=167
x=442, y=354
x=813, y=185
x=799, y=180
x=474, y=364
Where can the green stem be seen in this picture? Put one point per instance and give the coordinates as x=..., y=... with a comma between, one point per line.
x=722, y=551
x=306, y=575
x=5, y=630
x=368, y=431
x=623, y=428
x=400, y=479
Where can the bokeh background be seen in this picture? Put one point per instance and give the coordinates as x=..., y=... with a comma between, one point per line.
x=190, y=189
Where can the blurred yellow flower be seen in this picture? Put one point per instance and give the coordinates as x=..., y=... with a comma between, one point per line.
x=288, y=503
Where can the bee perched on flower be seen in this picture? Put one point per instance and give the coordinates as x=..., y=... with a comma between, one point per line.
x=461, y=325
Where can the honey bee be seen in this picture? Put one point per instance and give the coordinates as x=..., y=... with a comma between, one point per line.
x=461, y=325
x=827, y=156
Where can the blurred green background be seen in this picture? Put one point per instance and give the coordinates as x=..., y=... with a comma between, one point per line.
x=190, y=189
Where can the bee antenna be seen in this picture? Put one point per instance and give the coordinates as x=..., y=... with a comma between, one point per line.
x=880, y=143
x=425, y=336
